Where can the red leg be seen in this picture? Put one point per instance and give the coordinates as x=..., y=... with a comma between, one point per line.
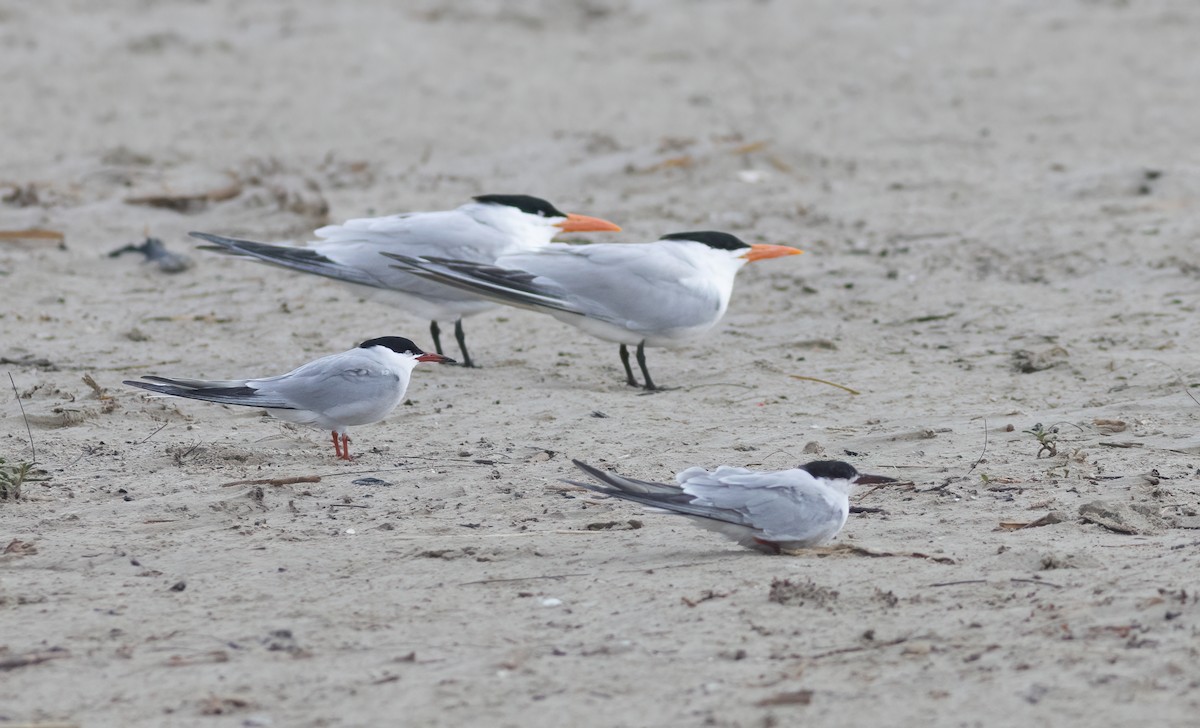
x=346, y=447
x=771, y=545
x=337, y=446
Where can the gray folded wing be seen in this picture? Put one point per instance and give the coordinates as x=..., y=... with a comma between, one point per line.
x=658, y=495
x=784, y=504
x=505, y=285
x=305, y=260
x=336, y=385
x=240, y=394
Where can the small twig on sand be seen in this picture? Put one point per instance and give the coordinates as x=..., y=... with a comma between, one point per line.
x=866, y=509
x=275, y=481
x=823, y=551
x=984, y=581
x=180, y=458
x=772, y=454
x=720, y=384
x=445, y=462
x=100, y=392
x=1039, y=582
x=520, y=578
x=651, y=569
x=838, y=548
x=935, y=488
x=32, y=451
x=518, y=534
x=152, y=434
x=822, y=381
x=984, y=452
x=32, y=658
x=860, y=648
x=215, y=656
x=893, y=484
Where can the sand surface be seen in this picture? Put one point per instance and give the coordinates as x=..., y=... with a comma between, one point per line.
x=1000, y=204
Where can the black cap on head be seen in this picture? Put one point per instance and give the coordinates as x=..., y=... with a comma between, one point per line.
x=398, y=344
x=831, y=469
x=524, y=203
x=711, y=238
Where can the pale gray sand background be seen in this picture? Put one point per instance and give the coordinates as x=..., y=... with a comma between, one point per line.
x=969, y=180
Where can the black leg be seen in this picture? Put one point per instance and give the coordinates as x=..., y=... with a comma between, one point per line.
x=641, y=360
x=628, y=369
x=436, y=333
x=462, y=344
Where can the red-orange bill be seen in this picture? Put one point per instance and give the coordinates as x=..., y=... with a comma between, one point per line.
x=584, y=224
x=762, y=252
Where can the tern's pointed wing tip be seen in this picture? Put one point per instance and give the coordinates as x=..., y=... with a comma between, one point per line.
x=220, y=243
x=148, y=386
x=588, y=486
x=208, y=236
x=590, y=470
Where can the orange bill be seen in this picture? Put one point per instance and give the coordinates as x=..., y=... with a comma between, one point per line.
x=762, y=252
x=584, y=224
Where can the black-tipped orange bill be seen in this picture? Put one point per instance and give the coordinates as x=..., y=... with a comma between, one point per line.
x=873, y=479
x=762, y=252
x=584, y=224
x=436, y=358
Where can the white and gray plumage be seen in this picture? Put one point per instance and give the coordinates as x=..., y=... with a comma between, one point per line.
x=355, y=387
x=764, y=510
x=663, y=293
x=480, y=231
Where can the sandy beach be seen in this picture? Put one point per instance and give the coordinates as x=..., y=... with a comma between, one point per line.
x=999, y=205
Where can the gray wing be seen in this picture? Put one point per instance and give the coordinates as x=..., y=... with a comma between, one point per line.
x=333, y=384
x=448, y=234
x=659, y=495
x=784, y=504
x=305, y=260
x=650, y=287
x=626, y=485
x=504, y=285
x=239, y=394
x=645, y=287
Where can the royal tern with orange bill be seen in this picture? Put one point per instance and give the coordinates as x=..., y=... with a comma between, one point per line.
x=479, y=231
x=663, y=293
